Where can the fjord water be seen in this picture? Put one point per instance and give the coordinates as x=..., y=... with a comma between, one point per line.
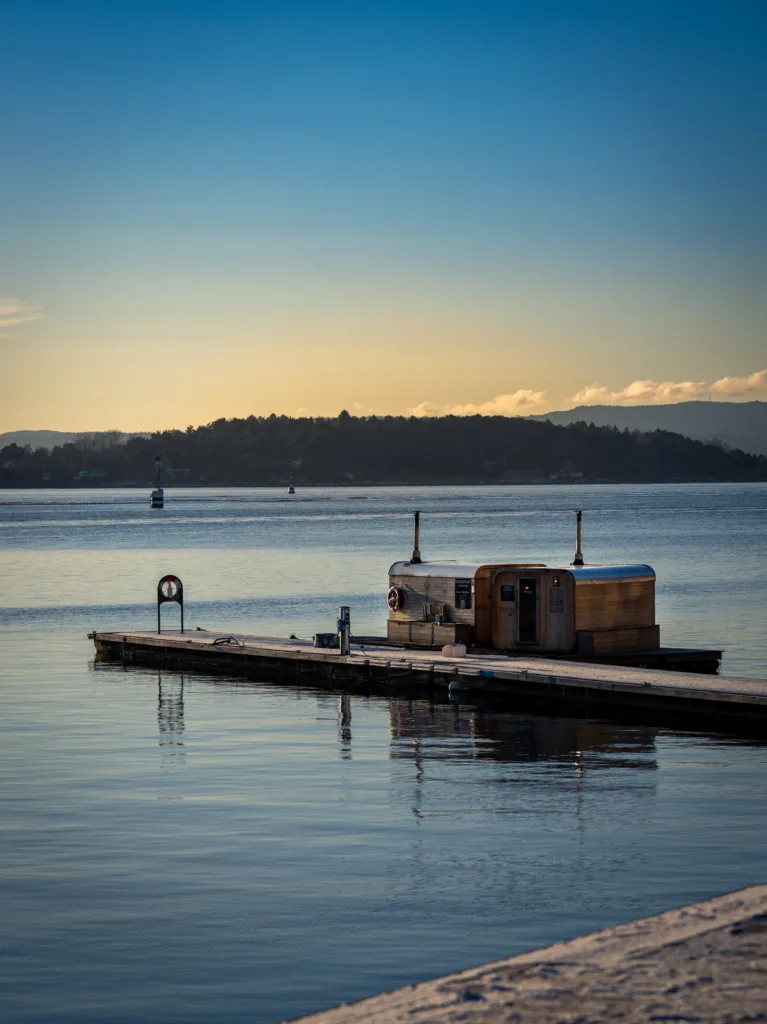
x=179, y=847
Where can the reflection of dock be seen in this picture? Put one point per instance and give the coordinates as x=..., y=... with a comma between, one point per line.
x=170, y=713
x=514, y=738
x=587, y=687
x=345, y=726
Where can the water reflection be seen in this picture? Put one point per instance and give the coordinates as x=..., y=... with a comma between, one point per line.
x=345, y=726
x=423, y=731
x=170, y=717
x=538, y=792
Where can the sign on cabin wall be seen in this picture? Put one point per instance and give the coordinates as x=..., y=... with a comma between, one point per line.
x=463, y=591
x=508, y=592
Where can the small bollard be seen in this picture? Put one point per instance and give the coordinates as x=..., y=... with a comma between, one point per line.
x=344, y=629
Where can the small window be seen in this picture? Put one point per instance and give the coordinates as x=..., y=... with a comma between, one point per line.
x=463, y=592
x=508, y=593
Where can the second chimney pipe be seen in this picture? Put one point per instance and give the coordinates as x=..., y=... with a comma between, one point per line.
x=578, y=560
x=416, y=538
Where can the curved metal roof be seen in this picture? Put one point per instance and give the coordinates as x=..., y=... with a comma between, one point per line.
x=455, y=570
x=610, y=572
x=468, y=570
x=443, y=570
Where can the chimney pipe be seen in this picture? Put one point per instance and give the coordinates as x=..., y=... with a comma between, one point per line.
x=578, y=560
x=416, y=558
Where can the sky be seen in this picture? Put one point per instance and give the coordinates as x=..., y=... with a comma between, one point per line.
x=221, y=208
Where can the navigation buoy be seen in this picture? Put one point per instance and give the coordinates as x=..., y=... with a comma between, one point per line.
x=157, y=497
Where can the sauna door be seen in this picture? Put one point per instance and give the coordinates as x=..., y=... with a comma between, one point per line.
x=516, y=611
x=528, y=610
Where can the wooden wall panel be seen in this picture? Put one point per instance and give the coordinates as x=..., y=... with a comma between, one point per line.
x=422, y=633
x=415, y=594
x=612, y=604
x=452, y=633
x=618, y=641
x=398, y=631
x=483, y=606
x=420, y=590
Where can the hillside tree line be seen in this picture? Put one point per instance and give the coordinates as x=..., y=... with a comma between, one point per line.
x=282, y=450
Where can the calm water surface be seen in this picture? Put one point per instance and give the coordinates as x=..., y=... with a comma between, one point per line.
x=187, y=848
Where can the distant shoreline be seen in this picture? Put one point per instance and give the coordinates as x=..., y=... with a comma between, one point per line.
x=350, y=484
x=392, y=452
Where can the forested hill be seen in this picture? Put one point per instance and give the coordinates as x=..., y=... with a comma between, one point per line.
x=280, y=450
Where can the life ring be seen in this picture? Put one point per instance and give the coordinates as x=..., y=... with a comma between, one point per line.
x=395, y=598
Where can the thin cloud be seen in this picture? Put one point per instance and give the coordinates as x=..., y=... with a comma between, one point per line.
x=653, y=392
x=14, y=312
x=501, y=405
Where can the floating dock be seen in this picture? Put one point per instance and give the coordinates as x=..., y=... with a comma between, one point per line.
x=550, y=684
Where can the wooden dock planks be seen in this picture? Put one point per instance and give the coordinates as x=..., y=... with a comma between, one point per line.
x=491, y=674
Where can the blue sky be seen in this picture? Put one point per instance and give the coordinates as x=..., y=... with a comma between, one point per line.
x=376, y=206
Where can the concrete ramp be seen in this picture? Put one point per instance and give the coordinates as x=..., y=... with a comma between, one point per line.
x=706, y=962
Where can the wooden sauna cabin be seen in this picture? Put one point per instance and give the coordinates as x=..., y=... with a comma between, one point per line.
x=577, y=609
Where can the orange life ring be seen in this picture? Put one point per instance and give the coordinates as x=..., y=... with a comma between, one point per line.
x=395, y=598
